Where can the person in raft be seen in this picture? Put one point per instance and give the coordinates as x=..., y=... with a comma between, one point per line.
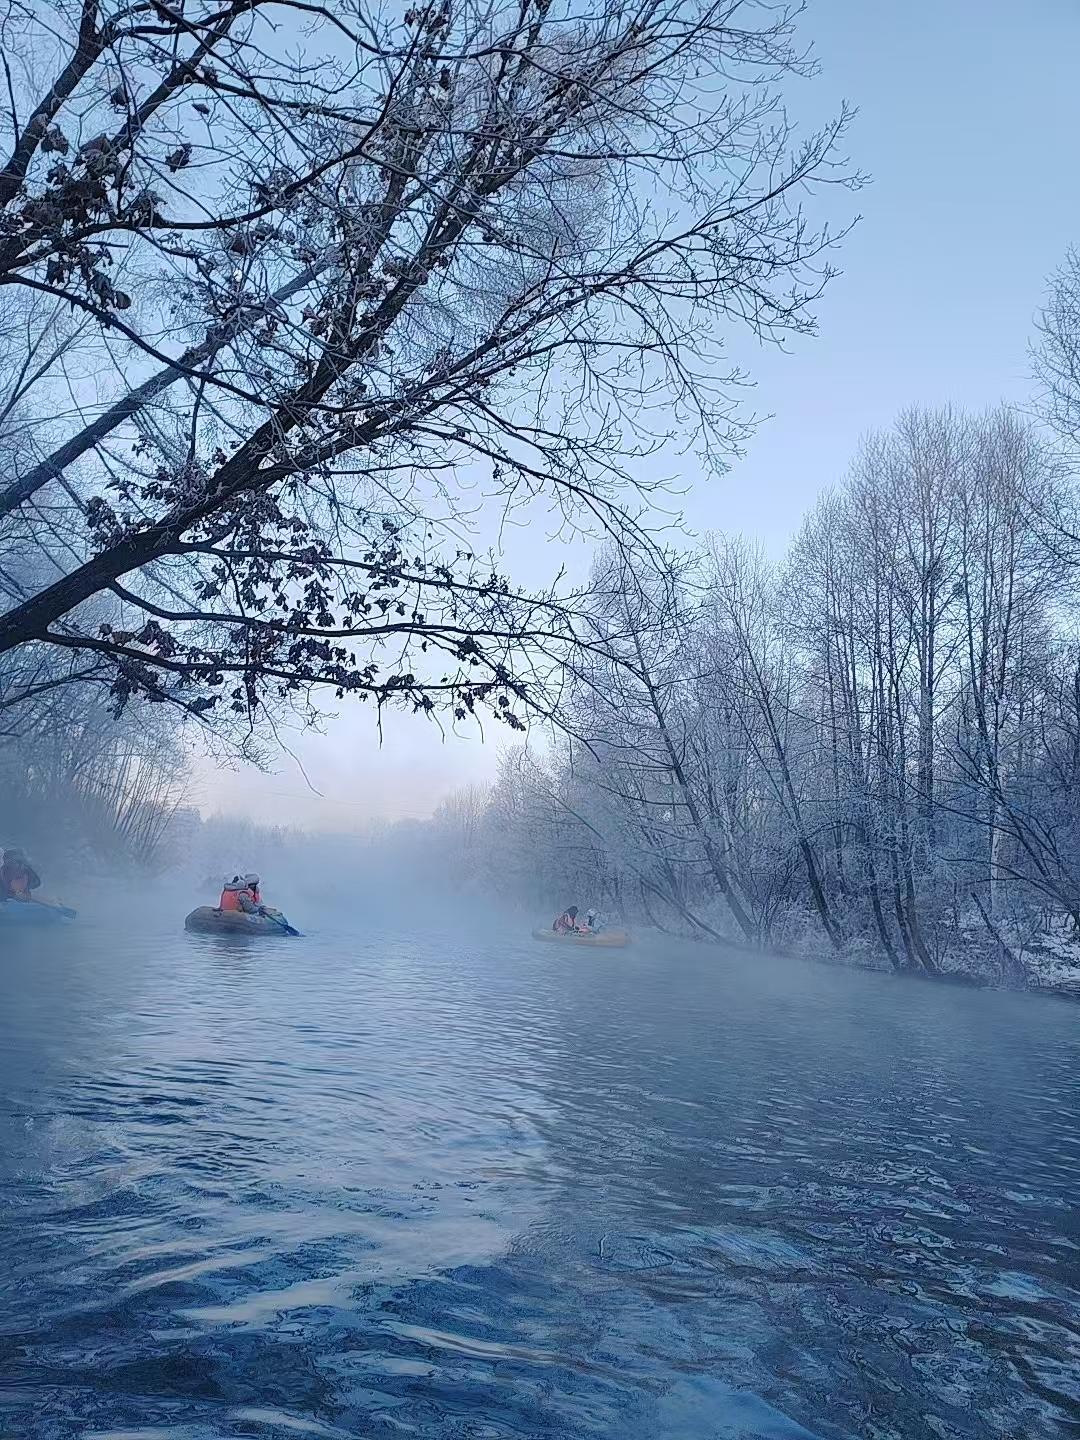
x=242, y=893
x=566, y=924
x=17, y=876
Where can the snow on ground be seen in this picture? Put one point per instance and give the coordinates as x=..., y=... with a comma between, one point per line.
x=1052, y=962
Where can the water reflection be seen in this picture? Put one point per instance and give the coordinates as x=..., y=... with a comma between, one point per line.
x=375, y=1185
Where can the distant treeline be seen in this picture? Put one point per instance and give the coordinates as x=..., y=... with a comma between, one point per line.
x=78, y=783
x=873, y=743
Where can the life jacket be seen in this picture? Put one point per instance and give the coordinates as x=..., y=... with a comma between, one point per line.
x=230, y=897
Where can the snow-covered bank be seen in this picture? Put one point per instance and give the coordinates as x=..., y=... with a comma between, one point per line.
x=1052, y=962
x=1042, y=960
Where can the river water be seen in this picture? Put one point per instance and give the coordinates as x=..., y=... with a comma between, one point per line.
x=390, y=1186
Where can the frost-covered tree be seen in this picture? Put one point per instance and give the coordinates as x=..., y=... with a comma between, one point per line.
x=339, y=273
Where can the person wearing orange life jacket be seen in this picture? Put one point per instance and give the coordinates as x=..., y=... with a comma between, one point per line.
x=17, y=876
x=566, y=924
x=229, y=900
x=242, y=894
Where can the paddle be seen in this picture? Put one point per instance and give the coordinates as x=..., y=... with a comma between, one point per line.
x=280, y=920
x=63, y=910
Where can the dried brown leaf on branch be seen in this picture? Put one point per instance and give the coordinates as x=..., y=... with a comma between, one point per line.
x=428, y=270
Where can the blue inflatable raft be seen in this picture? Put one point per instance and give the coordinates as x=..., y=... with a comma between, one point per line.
x=26, y=914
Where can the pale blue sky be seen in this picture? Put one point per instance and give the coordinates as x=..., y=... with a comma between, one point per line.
x=969, y=113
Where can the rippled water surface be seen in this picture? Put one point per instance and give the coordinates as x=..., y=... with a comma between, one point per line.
x=387, y=1186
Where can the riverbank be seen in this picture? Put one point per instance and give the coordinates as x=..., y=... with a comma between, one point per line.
x=1043, y=960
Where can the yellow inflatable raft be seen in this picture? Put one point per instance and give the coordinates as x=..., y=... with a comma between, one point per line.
x=614, y=939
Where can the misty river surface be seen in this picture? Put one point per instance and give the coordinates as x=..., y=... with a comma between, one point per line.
x=446, y=1185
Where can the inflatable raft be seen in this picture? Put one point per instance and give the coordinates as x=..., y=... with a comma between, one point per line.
x=208, y=920
x=32, y=914
x=614, y=939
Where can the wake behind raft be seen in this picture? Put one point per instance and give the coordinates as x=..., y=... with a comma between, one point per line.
x=208, y=920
